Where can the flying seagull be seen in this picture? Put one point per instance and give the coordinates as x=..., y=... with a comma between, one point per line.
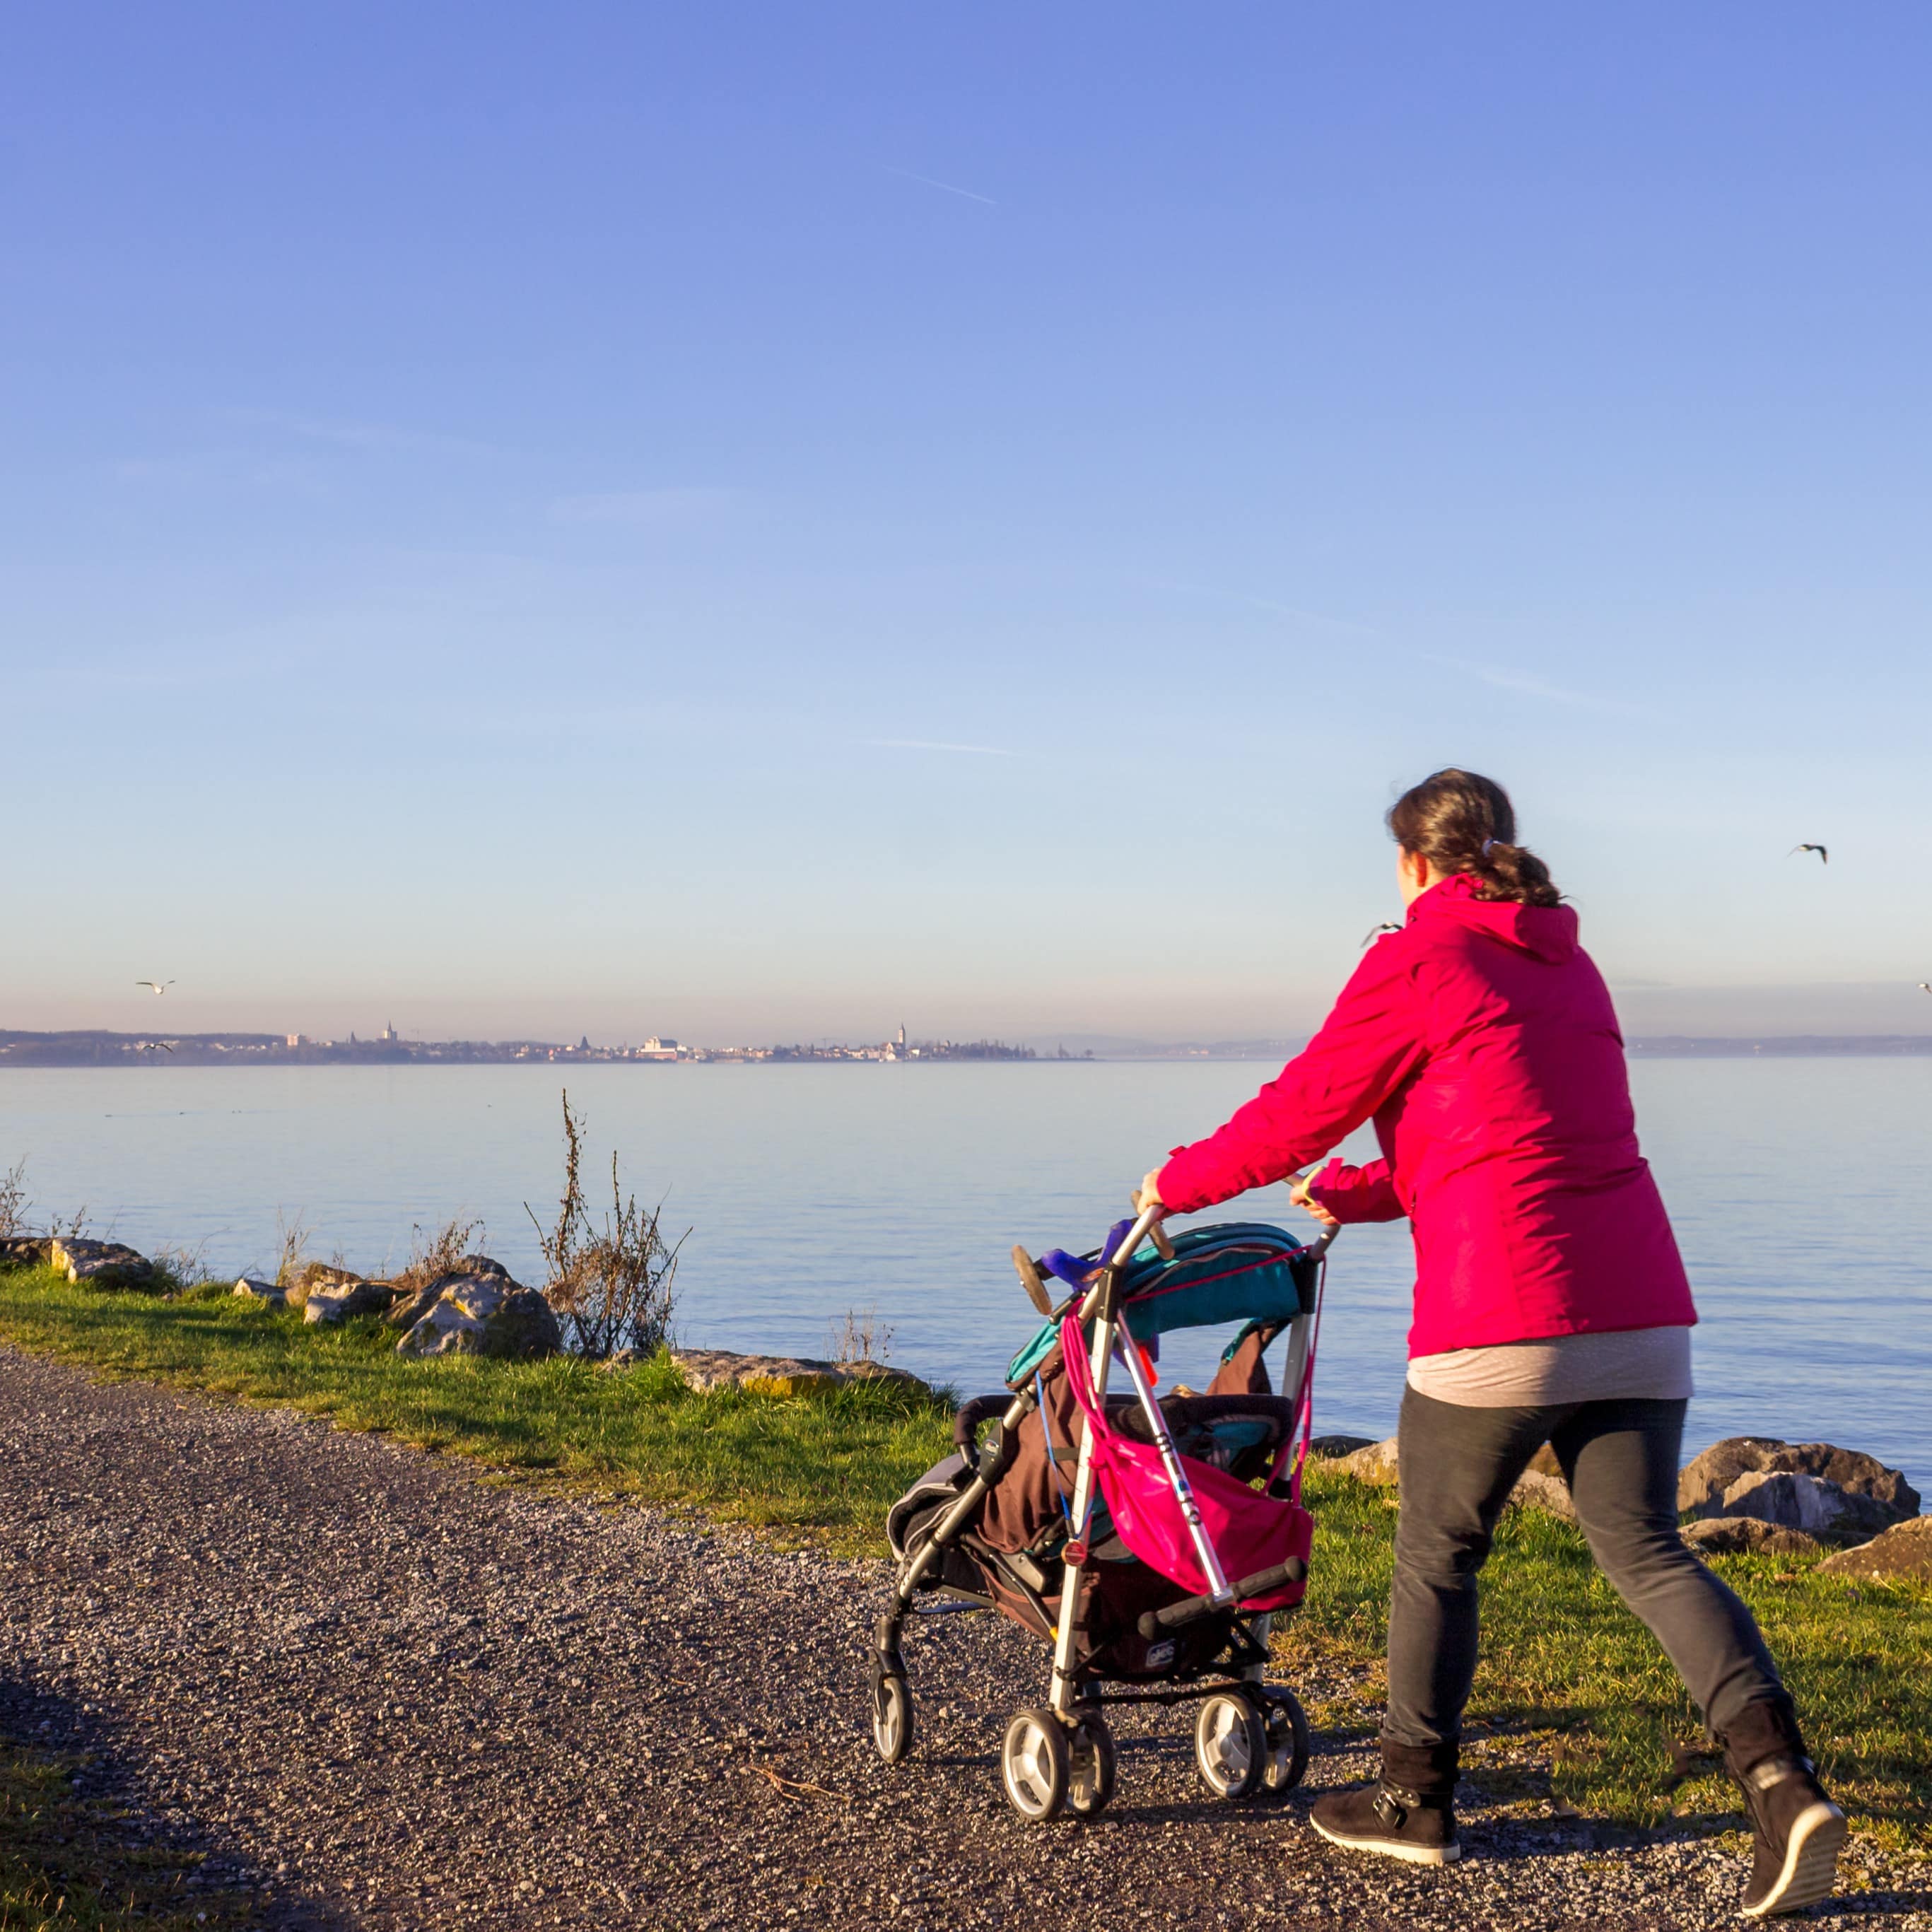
x=157, y=987
x=1925, y=986
x=1824, y=857
x=1376, y=932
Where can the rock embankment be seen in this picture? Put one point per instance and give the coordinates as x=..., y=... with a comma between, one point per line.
x=100, y=1263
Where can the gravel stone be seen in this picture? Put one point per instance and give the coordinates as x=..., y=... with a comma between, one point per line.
x=390, y=1693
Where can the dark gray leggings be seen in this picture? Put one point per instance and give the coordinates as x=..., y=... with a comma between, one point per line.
x=1458, y=1465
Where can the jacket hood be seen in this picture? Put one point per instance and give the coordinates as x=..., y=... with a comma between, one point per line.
x=1548, y=933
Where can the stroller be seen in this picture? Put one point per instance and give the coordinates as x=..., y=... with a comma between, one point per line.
x=1126, y=1531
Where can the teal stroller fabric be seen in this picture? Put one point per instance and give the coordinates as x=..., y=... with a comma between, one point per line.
x=1245, y=1271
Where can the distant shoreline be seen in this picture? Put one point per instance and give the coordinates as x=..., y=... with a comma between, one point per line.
x=92, y=1049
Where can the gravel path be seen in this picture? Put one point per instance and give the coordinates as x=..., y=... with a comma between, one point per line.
x=387, y=1694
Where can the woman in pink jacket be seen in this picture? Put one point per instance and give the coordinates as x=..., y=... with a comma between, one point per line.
x=1550, y=1306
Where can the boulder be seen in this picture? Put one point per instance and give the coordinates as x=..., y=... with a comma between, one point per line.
x=1701, y=1486
x=1794, y=1501
x=1903, y=1550
x=23, y=1250
x=100, y=1263
x=1332, y=1448
x=709, y=1369
x=325, y=1274
x=416, y=1295
x=1535, y=1490
x=1747, y=1535
x=1375, y=1464
x=333, y=1302
x=483, y=1315
x=261, y=1294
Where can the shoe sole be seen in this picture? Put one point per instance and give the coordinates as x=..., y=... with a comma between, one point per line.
x=1810, y=1862
x=1392, y=1848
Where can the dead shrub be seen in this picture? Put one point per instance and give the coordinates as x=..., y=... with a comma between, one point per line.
x=292, y=1244
x=613, y=1289
x=13, y=1201
x=863, y=1342
x=433, y=1254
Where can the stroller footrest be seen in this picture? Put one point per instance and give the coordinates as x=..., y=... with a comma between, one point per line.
x=1261, y=1584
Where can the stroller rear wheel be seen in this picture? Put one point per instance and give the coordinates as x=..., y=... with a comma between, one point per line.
x=1036, y=1766
x=1285, y=1726
x=892, y=1716
x=1092, y=1766
x=1230, y=1745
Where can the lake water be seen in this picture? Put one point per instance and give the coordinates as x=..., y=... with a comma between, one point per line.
x=1799, y=1187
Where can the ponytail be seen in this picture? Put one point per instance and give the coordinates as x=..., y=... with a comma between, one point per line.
x=1462, y=822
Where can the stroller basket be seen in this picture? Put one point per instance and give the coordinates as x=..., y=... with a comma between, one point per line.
x=1148, y=1541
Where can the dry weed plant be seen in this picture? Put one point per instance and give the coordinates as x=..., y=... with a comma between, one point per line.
x=613, y=1289
x=291, y=1243
x=13, y=1201
x=179, y=1269
x=433, y=1254
x=861, y=1342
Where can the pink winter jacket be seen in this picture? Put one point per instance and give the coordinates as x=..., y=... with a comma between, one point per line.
x=1482, y=1041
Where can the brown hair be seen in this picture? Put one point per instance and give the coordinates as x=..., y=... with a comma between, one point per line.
x=1462, y=822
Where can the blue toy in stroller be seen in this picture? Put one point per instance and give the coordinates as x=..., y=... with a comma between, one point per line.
x=1149, y=1540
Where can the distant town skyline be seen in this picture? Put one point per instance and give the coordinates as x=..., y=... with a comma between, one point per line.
x=975, y=513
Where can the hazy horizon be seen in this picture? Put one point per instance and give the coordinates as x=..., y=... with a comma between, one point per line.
x=761, y=526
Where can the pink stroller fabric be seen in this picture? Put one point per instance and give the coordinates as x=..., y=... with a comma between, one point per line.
x=1250, y=1532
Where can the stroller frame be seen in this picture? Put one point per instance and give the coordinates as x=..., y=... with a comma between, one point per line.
x=1074, y=1694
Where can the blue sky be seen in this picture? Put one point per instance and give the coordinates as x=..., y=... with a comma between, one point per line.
x=753, y=521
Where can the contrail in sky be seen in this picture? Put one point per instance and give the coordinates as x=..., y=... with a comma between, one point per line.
x=929, y=745
x=907, y=174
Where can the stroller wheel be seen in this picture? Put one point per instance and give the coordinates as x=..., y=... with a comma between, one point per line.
x=891, y=1717
x=1035, y=1764
x=1230, y=1746
x=1285, y=1726
x=1092, y=1766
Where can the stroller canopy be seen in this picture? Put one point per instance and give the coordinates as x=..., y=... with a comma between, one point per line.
x=1235, y=1271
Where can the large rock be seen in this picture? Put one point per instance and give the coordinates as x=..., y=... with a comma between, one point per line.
x=1904, y=1550
x=333, y=1302
x=23, y=1250
x=1535, y=1490
x=1793, y=1501
x=709, y=1369
x=261, y=1294
x=1747, y=1535
x=1706, y=1478
x=100, y=1263
x=1375, y=1464
x=417, y=1294
x=1332, y=1448
x=483, y=1315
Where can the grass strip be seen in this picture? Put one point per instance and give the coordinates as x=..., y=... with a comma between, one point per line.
x=1575, y=1706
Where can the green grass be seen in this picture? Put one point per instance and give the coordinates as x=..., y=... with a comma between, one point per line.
x=66, y=1864
x=1574, y=1704
x=829, y=1465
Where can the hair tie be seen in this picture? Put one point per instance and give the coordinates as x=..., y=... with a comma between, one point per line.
x=1489, y=845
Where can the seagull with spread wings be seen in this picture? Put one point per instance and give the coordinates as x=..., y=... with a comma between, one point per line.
x=157, y=987
x=1824, y=857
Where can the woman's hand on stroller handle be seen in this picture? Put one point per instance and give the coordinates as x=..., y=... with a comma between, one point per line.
x=1147, y=1201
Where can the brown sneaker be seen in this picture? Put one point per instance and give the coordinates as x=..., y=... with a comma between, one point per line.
x=1798, y=1831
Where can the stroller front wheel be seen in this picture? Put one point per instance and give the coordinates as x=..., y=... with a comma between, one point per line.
x=1285, y=1726
x=1230, y=1746
x=1036, y=1765
x=891, y=1717
x=1092, y=1766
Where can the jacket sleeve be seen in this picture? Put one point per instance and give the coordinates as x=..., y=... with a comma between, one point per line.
x=1367, y=1047
x=1358, y=1193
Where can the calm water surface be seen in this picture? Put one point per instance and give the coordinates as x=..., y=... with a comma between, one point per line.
x=1799, y=1189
